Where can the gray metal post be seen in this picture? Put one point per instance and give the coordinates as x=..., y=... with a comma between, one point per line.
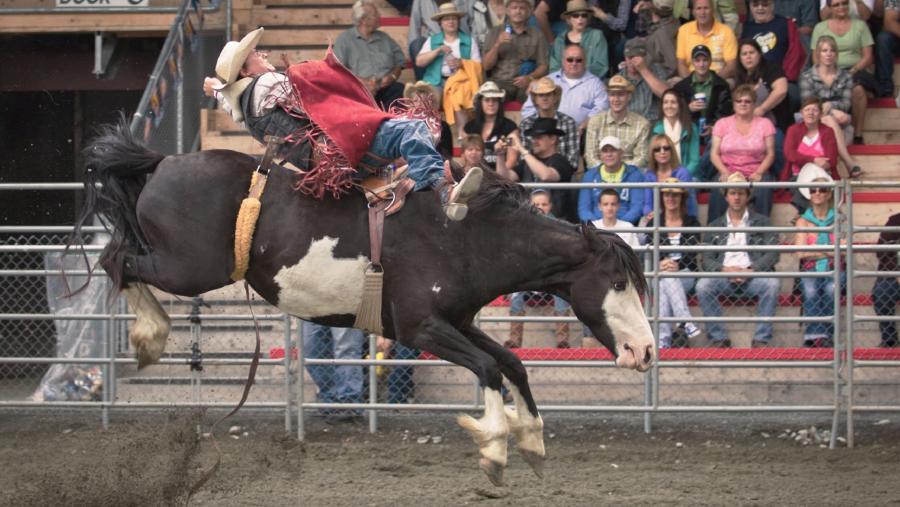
x=373, y=386
x=106, y=368
x=849, y=317
x=196, y=365
x=288, y=381
x=651, y=381
x=837, y=344
x=301, y=426
x=179, y=101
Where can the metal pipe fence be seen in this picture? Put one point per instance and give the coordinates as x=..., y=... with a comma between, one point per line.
x=209, y=349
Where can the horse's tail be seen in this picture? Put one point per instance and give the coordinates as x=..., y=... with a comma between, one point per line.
x=116, y=169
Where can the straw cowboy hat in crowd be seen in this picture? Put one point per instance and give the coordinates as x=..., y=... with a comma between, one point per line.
x=410, y=90
x=543, y=86
x=674, y=189
x=228, y=68
x=573, y=6
x=737, y=178
x=490, y=90
x=447, y=9
x=810, y=173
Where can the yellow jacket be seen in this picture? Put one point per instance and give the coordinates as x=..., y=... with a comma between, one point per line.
x=460, y=89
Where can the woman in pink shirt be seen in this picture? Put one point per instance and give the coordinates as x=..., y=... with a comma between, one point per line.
x=743, y=143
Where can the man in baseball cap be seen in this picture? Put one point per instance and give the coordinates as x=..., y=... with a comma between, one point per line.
x=612, y=169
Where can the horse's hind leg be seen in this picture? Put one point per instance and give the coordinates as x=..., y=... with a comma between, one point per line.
x=151, y=326
x=492, y=430
x=525, y=422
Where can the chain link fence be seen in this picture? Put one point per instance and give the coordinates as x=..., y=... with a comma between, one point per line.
x=209, y=350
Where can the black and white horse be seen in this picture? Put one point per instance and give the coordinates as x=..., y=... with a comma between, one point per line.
x=172, y=224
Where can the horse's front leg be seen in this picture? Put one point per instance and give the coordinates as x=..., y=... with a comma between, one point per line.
x=525, y=422
x=528, y=429
x=490, y=432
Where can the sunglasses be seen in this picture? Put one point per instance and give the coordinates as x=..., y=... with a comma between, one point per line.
x=579, y=15
x=574, y=60
x=819, y=191
x=657, y=149
x=840, y=4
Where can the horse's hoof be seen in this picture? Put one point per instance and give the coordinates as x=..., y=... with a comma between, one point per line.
x=494, y=470
x=145, y=360
x=535, y=461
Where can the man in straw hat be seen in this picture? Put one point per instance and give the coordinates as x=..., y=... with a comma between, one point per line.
x=739, y=263
x=330, y=100
x=630, y=128
x=543, y=102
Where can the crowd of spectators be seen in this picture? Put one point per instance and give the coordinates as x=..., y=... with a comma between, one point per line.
x=674, y=91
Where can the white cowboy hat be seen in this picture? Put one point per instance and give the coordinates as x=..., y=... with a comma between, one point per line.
x=810, y=173
x=228, y=69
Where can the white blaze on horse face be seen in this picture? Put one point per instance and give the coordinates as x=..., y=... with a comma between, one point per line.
x=320, y=285
x=634, y=338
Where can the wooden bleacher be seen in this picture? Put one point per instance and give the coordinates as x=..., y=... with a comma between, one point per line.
x=62, y=21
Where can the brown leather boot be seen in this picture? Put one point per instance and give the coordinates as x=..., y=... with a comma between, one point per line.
x=516, y=330
x=456, y=197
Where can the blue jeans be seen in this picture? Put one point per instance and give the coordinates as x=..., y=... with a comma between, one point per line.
x=400, y=379
x=818, y=301
x=337, y=384
x=885, y=295
x=766, y=289
x=886, y=46
x=517, y=303
x=411, y=140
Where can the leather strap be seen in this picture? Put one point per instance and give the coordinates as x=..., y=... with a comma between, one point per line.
x=376, y=230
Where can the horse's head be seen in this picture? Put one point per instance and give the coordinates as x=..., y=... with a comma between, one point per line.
x=605, y=293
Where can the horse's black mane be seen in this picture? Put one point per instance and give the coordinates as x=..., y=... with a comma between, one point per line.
x=627, y=260
x=497, y=189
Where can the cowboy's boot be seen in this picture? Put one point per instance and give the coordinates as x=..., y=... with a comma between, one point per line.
x=455, y=198
x=516, y=329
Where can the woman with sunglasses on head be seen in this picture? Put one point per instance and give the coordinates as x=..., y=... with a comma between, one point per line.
x=675, y=122
x=855, y=54
x=818, y=293
x=578, y=15
x=832, y=86
x=492, y=125
x=665, y=166
x=673, y=291
x=743, y=143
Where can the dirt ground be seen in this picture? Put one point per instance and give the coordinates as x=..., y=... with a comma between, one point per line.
x=151, y=459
